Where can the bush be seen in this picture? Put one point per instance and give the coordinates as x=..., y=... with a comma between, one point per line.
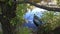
x=51, y=20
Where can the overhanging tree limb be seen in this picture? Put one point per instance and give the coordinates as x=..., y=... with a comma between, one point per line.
x=41, y=6
x=45, y=7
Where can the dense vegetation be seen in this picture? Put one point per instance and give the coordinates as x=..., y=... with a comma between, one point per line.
x=51, y=21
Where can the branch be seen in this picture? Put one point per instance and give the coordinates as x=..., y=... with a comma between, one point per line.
x=45, y=7
x=41, y=6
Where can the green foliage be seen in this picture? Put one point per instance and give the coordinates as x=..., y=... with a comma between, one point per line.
x=14, y=21
x=21, y=9
x=51, y=20
x=10, y=2
x=18, y=20
x=24, y=30
x=1, y=33
x=58, y=2
x=19, y=14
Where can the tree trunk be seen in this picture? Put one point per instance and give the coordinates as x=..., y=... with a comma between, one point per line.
x=8, y=12
x=7, y=27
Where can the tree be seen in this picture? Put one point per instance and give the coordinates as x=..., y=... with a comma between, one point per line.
x=51, y=22
x=7, y=13
x=40, y=6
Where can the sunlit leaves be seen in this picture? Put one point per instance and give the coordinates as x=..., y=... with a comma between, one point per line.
x=21, y=9
x=58, y=2
x=52, y=20
x=10, y=2
x=35, y=1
